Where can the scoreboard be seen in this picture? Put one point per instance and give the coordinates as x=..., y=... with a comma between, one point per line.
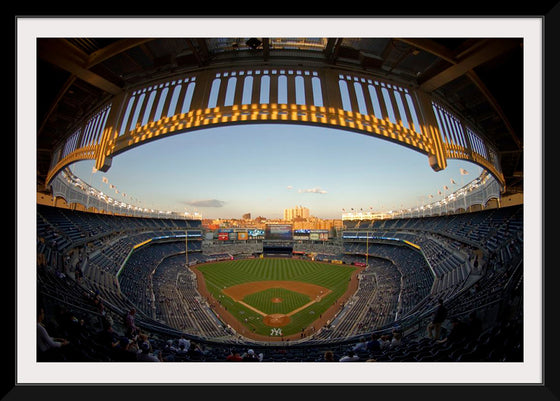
x=255, y=233
x=278, y=232
x=301, y=235
x=319, y=235
x=312, y=235
x=223, y=236
x=237, y=234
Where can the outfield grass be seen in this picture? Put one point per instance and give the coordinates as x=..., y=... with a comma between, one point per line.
x=221, y=275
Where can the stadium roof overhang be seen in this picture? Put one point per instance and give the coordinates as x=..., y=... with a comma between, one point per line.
x=479, y=78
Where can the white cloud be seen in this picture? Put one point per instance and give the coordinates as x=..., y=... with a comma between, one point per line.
x=206, y=203
x=315, y=190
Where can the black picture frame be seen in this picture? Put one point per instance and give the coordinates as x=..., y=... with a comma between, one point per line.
x=548, y=390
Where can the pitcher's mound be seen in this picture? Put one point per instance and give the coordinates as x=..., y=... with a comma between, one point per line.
x=276, y=320
x=276, y=300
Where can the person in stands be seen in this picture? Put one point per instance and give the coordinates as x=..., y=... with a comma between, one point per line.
x=373, y=345
x=234, y=356
x=48, y=348
x=250, y=356
x=124, y=351
x=457, y=333
x=146, y=354
x=328, y=356
x=130, y=323
x=350, y=357
x=440, y=315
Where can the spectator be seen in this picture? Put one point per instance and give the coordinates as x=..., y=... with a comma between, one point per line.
x=373, y=345
x=130, y=323
x=234, y=356
x=109, y=338
x=69, y=326
x=457, y=333
x=168, y=352
x=170, y=346
x=195, y=353
x=396, y=340
x=250, y=356
x=146, y=354
x=440, y=315
x=182, y=352
x=350, y=357
x=361, y=346
x=328, y=356
x=48, y=348
x=78, y=274
x=124, y=352
x=385, y=342
x=98, y=303
x=186, y=343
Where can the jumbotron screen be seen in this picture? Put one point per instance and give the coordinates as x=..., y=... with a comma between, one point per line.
x=256, y=233
x=281, y=232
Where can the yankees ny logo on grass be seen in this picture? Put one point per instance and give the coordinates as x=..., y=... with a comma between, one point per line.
x=275, y=332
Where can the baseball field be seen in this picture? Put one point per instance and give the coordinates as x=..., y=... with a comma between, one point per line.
x=276, y=298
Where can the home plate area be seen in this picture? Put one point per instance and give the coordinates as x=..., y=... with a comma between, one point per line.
x=276, y=320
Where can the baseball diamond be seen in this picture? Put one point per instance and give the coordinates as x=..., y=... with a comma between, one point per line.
x=265, y=293
x=276, y=299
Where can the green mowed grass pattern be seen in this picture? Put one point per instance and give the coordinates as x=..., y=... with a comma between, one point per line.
x=263, y=300
x=221, y=275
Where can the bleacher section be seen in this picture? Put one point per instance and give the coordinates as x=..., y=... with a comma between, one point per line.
x=472, y=261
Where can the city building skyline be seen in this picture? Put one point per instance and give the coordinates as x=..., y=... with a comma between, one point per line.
x=297, y=212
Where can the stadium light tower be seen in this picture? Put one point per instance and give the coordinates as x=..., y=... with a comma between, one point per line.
x=367, y=248
x=186, y=248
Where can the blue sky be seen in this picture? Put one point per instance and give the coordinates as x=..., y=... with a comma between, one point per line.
x=262, y=169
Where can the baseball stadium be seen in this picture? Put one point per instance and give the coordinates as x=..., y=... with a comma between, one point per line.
x=442, y=281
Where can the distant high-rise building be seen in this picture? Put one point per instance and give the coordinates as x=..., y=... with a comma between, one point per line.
x=246, y=216
x=296, y=212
